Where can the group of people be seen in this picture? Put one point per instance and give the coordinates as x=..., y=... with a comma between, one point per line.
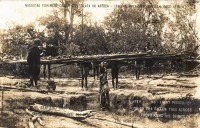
x=148, y=62
x=35, y=53
x=36, y=50
x=34, y=58
x=101, y=70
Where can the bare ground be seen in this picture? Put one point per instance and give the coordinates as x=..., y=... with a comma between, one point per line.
x=153, y=88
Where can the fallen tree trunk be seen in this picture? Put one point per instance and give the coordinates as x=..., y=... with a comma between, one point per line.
x=100, y=58
x=77, y=115
x=118, y=122
x=22, y=89
x=7, y=87
x=177, y=85
x=189, y=75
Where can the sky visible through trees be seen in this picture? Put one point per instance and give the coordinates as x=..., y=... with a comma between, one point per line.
x=101, y=27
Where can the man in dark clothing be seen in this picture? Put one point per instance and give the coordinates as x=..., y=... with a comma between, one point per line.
x=33, y=60
x=149, y=64
x=138, y=66
x=114, y=72
x=85, y=67
x=95, y=67
x=104, y=88
x=175, y=65
x=147, y=47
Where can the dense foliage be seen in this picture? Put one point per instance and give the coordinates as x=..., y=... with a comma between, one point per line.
x=125, y=30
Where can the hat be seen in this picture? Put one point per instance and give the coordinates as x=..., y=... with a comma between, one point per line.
x=37, y=41
x=103, y=63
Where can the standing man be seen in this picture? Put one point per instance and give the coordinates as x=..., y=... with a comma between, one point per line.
x=95, y=67
x=148, y=62
x=44, y=50
x=33, y=60
x=85, y=67
x=115, y=73
x=104, y=88
x=138, y=66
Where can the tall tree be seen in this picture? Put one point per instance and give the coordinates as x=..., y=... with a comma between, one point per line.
x=93, y=40
x=55, y=28
x=181, y=34
x=16, y=40
x=70, y=9
x=131, y=25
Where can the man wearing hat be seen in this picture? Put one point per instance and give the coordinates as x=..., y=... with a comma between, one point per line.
x=33, y=60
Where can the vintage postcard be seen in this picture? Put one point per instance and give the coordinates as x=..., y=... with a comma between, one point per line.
x=99, y=63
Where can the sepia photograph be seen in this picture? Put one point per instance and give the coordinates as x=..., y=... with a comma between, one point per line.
x=99, y=63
